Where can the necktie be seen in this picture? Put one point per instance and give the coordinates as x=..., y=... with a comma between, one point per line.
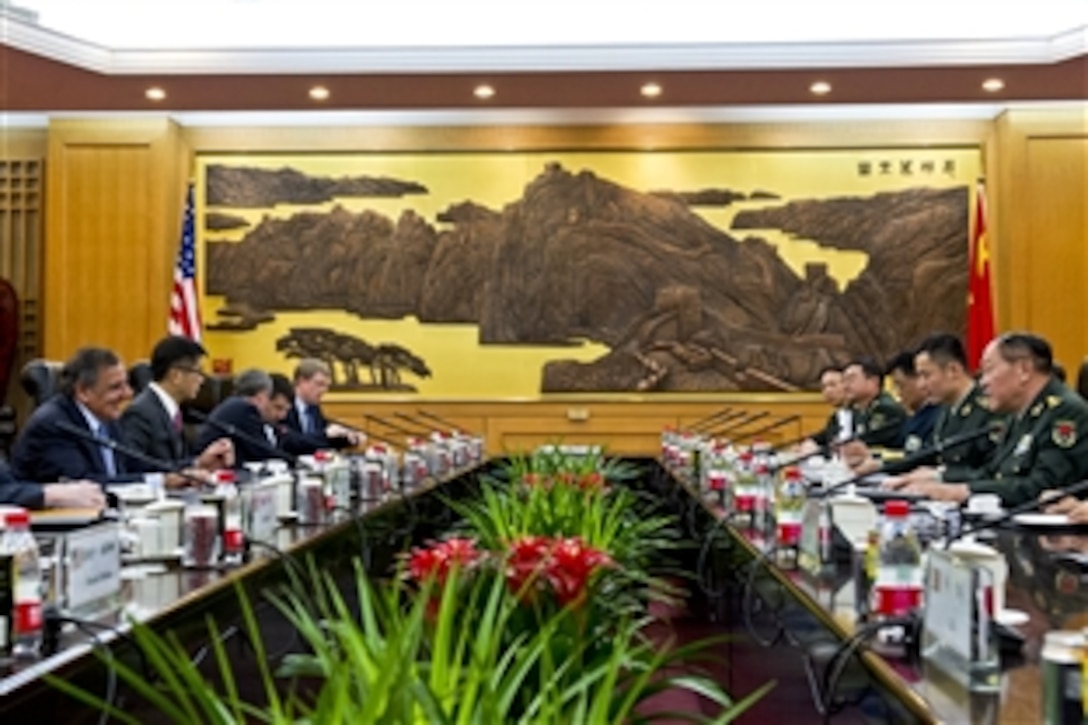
x=270, y=434
x=107, y=453
x=311, y=419
x=177, y=422
x=306, y=421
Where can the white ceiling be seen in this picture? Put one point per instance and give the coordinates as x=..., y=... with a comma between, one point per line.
x=150, y=24
x=277, y=36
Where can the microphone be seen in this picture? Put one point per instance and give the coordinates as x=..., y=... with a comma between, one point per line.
x=450, y=427
x=702, y=422
x=259, y=442
x=717, y=420
x=156, y=464
x=915, y=458
x=1026, y=507
x=425, y=426
x=390, y=426
x=740, y=423
x=766, y=428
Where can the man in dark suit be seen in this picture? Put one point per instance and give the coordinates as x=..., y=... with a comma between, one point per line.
x=93, y=390
x=305, y=418
x=31, y=495
x=248, y=418
x=153, y=421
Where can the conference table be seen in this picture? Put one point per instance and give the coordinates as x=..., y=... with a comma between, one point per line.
x=178, y=599
x=806, y=614
x=798, y=613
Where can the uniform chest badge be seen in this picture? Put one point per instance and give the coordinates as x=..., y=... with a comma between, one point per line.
x=1023, y=446
x=876, y=421
x=965, y=410
x=912, y=444
x=1064, y=434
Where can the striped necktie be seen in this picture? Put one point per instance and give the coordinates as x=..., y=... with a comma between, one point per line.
x=108, y=461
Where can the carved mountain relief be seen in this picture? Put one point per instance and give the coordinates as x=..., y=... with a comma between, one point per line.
x=242, y=186
x=682, y=304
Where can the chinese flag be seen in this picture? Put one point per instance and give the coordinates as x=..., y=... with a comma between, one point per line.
x=980, y=298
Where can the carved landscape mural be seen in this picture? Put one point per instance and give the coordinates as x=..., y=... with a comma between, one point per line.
x=750, y=271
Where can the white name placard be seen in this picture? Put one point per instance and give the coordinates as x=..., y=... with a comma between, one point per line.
x=92, y=557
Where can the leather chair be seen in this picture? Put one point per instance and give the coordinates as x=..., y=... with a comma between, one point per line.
x=1082, y=379
x=40, y=379
x=139, y=376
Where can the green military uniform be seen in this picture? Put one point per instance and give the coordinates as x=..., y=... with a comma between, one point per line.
x=1045, y=447
x=881, y=422
x=966, y=416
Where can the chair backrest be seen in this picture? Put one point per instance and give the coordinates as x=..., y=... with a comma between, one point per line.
x=1082, y=379
x=9, y=334
x=40, y=379
x=213, y=391
x=139, y=376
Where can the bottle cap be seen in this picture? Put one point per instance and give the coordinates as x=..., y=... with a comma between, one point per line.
x=19, y=517
x=897, y=508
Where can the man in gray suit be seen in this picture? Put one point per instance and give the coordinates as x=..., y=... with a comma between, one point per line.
x=153, y=422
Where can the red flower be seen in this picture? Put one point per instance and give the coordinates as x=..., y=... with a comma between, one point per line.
x=526, y=561
x=565, y=564
x=571, y=567
x=592, y=481
x=536, y=479
x=439, y=558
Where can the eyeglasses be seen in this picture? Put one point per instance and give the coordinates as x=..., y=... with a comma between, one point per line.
x=193, y=370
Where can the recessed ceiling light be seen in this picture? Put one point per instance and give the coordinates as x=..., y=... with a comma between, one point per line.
x=155, y=93
x=651, y=90
x=319, y=93
x=993, y=85
x=483, y=92
x=820, y=88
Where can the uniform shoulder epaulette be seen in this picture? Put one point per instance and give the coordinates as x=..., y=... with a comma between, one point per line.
x=1053, y=401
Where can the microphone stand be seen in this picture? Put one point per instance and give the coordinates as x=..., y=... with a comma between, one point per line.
x=232, y=430
x=739, y=423
x=717, y=420
x=425, y=426
x=157, y=464
x=1023, y=508
x=701, y=422
x=766, y=428
x=911, y=460
x=450, y=427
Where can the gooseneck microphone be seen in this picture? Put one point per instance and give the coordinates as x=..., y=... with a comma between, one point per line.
x=157, y=465
x=257, y=441
x=766, y=429
x=915, y=458
x=747, y=419
x=714, y=417
x=450, y=427
x=391, y=426
x=1026, y=507
x=823, y=449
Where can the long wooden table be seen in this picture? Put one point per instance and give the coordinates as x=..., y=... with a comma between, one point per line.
x=179, y=599
x=1048, y=580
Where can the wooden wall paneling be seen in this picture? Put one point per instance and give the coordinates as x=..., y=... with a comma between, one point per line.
x=22, y=200
x=1041, y=234
x=624, y=426
x=1057, y=194
x=113, y=216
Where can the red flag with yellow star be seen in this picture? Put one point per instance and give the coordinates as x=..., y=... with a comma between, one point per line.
x=980, y=298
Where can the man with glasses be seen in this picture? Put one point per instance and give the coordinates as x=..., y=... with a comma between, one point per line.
x=153, y=422
x=1045, y=444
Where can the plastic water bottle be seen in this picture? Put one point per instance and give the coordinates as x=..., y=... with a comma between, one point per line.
x=233, y=534
x=19, y=544
x=745, y=492
x=897, y=590
x=788, y=510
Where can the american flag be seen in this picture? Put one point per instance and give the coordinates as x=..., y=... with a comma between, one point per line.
x=184, y=309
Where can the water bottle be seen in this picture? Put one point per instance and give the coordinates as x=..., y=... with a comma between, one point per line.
x=745, y=492
x=788, y=514
x=764, y=513
x=233, y=535
x=26, y=616
x=897, y=590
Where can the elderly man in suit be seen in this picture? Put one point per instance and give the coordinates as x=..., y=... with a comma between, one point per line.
x=153, y=422
x=305, y=418
x=250, y=417
x=93, y=391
